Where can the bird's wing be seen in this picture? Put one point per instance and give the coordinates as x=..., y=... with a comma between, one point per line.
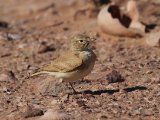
x=67, y=62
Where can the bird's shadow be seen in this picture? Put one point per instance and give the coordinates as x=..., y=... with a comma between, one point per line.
x=134, y=88
x=99, y=92
x=110, y=92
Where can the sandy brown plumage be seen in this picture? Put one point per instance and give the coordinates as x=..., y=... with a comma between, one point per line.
x=65, y=63
x=74, y=64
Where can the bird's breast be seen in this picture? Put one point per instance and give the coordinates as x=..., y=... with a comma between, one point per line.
x=88, y=58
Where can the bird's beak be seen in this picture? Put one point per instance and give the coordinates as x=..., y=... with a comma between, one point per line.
x=93, y=39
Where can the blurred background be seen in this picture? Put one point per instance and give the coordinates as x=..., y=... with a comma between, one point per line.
x=33, y=32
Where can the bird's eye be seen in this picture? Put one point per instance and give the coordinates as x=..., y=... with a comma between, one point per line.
x=80, y=41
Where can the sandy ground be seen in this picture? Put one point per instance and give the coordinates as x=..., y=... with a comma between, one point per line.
x=125, y=82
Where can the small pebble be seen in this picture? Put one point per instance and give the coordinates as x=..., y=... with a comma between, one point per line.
x=13, y=36
x=45, y=48
x=7, y=76
x=114, y=77
x=55, y=115
x=146, y=112
x=3, y=24
x=153, y=39
x=32, y=112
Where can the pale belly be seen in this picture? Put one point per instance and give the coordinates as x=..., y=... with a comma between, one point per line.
x=77, y=74
x=74, y=75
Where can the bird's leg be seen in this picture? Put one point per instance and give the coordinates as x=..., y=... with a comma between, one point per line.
x=72, y=88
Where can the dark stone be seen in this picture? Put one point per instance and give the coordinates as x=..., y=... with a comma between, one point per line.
x=33, y=112
x=3, y=24
x=114, y=77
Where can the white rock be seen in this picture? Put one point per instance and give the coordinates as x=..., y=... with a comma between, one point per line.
x=153, y=39
x=54, y=102
x=13, y=36
x=55, y=115
x=112, y=24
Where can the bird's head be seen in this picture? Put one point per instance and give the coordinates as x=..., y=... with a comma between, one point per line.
x=80, y=42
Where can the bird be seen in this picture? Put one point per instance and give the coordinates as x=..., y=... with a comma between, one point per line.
x=74, y=64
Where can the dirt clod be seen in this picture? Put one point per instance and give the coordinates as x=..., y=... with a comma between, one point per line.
x=3, y=24
x=55, y=115
x=114, y=77
x=33, y=112
x=7, y=76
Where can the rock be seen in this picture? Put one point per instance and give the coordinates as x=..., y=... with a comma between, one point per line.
x=81, y=103
x=6, y=54
x=13, y=36
x=135, y=112
x=103, y=116
x=153, y=39
x=54, y=102
x=45, y=48
x=64, y=98
x=22, y=66
x=123, y=23
x=7, y=76
x=155, y=80
x=32, y=112
x=146, y=112
x=6, y=90
x=52, y=87
x=3, y=24
x=55, y=115
x=114, y=77
x=10, y=36
x=65, y=28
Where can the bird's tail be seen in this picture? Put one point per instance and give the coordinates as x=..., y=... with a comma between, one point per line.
x=38, y=73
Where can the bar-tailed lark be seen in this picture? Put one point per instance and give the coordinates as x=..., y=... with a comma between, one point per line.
x=73, y=65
